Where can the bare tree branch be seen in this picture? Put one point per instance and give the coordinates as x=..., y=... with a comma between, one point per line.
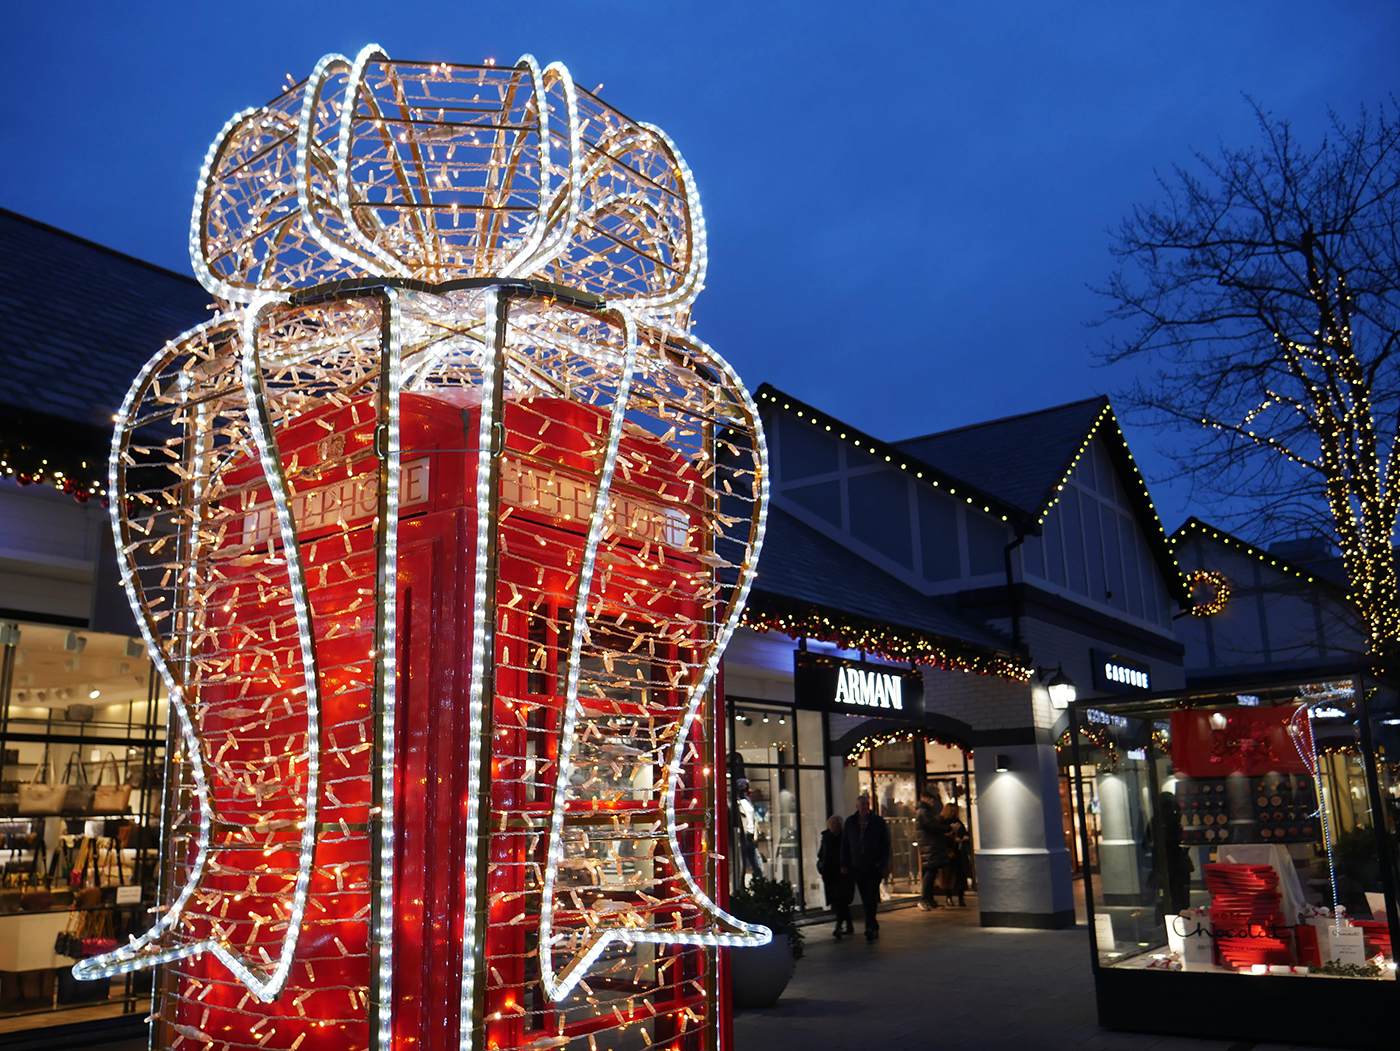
x=1264, y=288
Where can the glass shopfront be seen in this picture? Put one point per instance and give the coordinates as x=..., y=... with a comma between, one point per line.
x=1243, y=839
x=776, y=828
x=783, y=758
x=82, y=731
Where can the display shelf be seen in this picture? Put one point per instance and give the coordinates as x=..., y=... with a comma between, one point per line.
x=111, y=677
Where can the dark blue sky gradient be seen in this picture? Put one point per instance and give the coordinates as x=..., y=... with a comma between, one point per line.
x=905, y=201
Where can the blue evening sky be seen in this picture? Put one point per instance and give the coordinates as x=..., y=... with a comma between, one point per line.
x=905, y=201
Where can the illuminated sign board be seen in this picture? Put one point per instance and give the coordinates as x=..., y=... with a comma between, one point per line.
x=1115, y=674
x=879, y=691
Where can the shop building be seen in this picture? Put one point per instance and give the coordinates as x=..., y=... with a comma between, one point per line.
x=1267, y=613
x=996, y=558
x=78, y=698
x=1254, y=812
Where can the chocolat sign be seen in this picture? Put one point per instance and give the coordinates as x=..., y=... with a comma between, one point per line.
x=880, y=691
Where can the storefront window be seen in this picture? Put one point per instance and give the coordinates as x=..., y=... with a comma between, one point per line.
x=777, y=815
x=764, y=735
x=1075, y=825
x=1238, y=833
x=82, y=729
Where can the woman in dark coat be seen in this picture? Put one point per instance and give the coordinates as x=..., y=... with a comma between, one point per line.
x=838, y=885
x=959, y=862
x=933, y=847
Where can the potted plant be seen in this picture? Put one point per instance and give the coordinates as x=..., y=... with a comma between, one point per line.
x=759, y=975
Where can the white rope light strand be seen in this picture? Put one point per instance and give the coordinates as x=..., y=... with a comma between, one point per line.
x=483, y=610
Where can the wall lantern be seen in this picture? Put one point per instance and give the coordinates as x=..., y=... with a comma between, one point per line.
x=1060, y=687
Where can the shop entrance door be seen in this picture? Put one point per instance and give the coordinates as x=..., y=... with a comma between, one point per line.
x=894, y=795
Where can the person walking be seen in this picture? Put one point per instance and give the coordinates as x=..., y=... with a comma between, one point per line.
x=933, y=847
x=865, y=854
x=837, y=883
x=955, y=875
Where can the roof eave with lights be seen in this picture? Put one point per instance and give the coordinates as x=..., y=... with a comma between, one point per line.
x=1193, y=526
x=1139, y=495
x=769, y=396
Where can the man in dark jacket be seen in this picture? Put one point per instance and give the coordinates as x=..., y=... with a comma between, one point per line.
x=933, y=846
x=865, y=854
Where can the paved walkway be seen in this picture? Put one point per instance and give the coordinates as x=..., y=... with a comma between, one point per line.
x=938, y=980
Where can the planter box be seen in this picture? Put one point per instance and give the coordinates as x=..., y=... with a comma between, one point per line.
x=758, y=976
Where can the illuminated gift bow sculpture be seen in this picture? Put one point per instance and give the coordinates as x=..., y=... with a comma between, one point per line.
x=438, y=281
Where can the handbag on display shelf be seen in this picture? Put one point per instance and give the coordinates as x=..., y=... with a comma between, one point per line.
x=111, y=858
x=79, y=791
x=88, y=928
x=67, y=942
x=42, y=797
x=143, y=774
x=113, y=798
x=97, y=934
x=78, y=863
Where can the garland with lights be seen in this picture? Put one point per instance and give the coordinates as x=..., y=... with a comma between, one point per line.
x=81, y=476
x=798, y=620
x=1099, y=737
x=867, y=744
x=1211, y=579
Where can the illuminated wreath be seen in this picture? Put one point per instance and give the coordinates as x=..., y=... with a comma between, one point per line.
x=385, y=237
x=1219, y=586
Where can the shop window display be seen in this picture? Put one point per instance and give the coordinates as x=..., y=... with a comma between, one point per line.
x=767, y=813
x=777, y=796
x=1240, y=835
x=82, y=726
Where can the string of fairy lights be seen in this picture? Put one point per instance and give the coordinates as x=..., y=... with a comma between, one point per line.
x=81, y=476
x=866, y=745
x=1157, y=536
x=1335, y=406
x=406, y=301
x=766, y=613
x=939, y=479
x=986, y=502
x=1196, y=526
